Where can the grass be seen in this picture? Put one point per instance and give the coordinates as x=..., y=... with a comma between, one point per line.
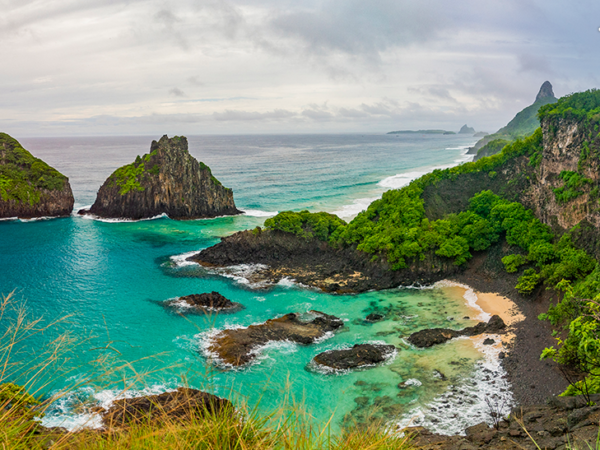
x=38, y=370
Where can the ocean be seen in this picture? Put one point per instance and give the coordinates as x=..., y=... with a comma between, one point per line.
x=112, y=279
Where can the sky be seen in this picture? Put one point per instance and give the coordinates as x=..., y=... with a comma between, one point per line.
x=145, y=67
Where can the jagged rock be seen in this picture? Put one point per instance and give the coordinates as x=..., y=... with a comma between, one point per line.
x=360, y=355
x=545, y=91
x=466, y=130
x=209, y=301
x=429, y=337
x=182, y=404
x=29, y=187
x=169, y=181
x=235, y=346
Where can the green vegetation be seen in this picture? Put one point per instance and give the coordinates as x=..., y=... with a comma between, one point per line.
x=492, y=148
x=581, y=106
x=23, y=177
x=571, y=189
x=129, y=178
x=321, y=225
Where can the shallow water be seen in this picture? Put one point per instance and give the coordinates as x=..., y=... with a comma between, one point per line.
x=114, y=278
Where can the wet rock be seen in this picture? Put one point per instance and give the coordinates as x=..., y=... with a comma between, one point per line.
x=429, y=337
x=489, y=341
x=212, y=301
x=361, y=355
x=375, y=317
x=182, y=404
x=235, y=346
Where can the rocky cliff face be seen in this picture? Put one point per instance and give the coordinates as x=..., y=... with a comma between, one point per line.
x=29, y=187
x=167, y=180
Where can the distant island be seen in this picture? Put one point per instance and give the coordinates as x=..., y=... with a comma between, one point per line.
x=421, y=132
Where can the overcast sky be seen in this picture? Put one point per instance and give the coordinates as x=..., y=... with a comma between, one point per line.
x=97, y=67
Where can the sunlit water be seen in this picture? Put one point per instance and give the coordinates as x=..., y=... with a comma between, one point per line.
x=114, y=277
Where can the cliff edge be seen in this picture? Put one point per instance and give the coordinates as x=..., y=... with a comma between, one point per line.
x=168, y=180
x=29, y=187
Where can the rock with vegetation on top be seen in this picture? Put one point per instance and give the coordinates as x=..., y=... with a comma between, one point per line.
x=29, y=187
x=238, y=346
x=169, y=181
x=361, y=355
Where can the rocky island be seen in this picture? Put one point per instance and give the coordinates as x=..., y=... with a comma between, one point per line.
x=29, y=187
x=359, y=356
x=168, y=180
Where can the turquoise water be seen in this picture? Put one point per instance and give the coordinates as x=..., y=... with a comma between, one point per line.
x=114, y=278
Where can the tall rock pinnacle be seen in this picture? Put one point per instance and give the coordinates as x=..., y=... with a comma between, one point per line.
x=545, y=91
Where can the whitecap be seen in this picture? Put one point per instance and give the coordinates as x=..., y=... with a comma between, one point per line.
x=357, y=206
x=258, y=213
x=181, y=260
x=120, y=220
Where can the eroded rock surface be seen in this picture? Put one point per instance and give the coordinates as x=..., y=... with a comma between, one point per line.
x=235, y=346
x=212, y=301
x=182, y=404
x=169, y=181
x=429, y=337
x=361, y=355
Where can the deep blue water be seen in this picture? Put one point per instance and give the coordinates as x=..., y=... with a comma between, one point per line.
x=113, y=277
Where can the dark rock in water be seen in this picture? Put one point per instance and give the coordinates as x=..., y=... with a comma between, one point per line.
x=234, y=347
x=440, y=375
x=169, y=181
x=374, y=317
x=429, y=337
x=489, y=341
x=466, y=130
x=210, y=301
x=182, y=404
x=30, y=188
x=358, y=356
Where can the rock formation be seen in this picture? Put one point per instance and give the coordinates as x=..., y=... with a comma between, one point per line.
x=235, y=346
x=208, y=302
x=29, y=187
x=466, y=130
x=169, y=181
x=429, y=337
x=361, y=355
x=182, y=404
x=545, y=92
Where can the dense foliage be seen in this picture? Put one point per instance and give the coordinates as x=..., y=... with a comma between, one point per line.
x=321, y=225
x=580, y=106
x=129, y=177
x=573, y=182
x=23, y=177
x=493, y=147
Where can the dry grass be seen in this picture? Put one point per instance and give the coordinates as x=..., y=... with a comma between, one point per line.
x=38, y=370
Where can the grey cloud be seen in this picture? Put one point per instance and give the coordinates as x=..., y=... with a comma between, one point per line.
x=195, y=81
x=534, y=63
x=176, y=92
x=234, y=115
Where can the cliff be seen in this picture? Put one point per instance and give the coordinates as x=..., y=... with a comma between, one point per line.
x=523, y=124
x=29, y=187
x=168, y=180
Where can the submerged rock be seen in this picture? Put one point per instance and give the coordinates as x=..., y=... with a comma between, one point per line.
x=169, y=181
x=182, y=404
x=360, y=355
x=212, y=301
x=235, y=346
x=375, y=317
x=433, y=336
x=29, y=187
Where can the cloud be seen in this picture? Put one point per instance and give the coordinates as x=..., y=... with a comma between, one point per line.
x=176, y=92
x=233, y=115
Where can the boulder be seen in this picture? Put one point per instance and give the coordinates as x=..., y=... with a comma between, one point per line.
x=433, y=336
x=361, y=355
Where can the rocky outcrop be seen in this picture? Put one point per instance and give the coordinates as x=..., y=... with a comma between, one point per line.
x=169, y=181
x=182, y=404
x=466, y=130
x=361, y=355
x=236, y=347
x=429, y=337
x=545, y=92
x=565, y=422
x=208, y=302
x=29, y=187
x=317, y=264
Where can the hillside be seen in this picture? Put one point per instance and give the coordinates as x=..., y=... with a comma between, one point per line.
x=29, y=187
